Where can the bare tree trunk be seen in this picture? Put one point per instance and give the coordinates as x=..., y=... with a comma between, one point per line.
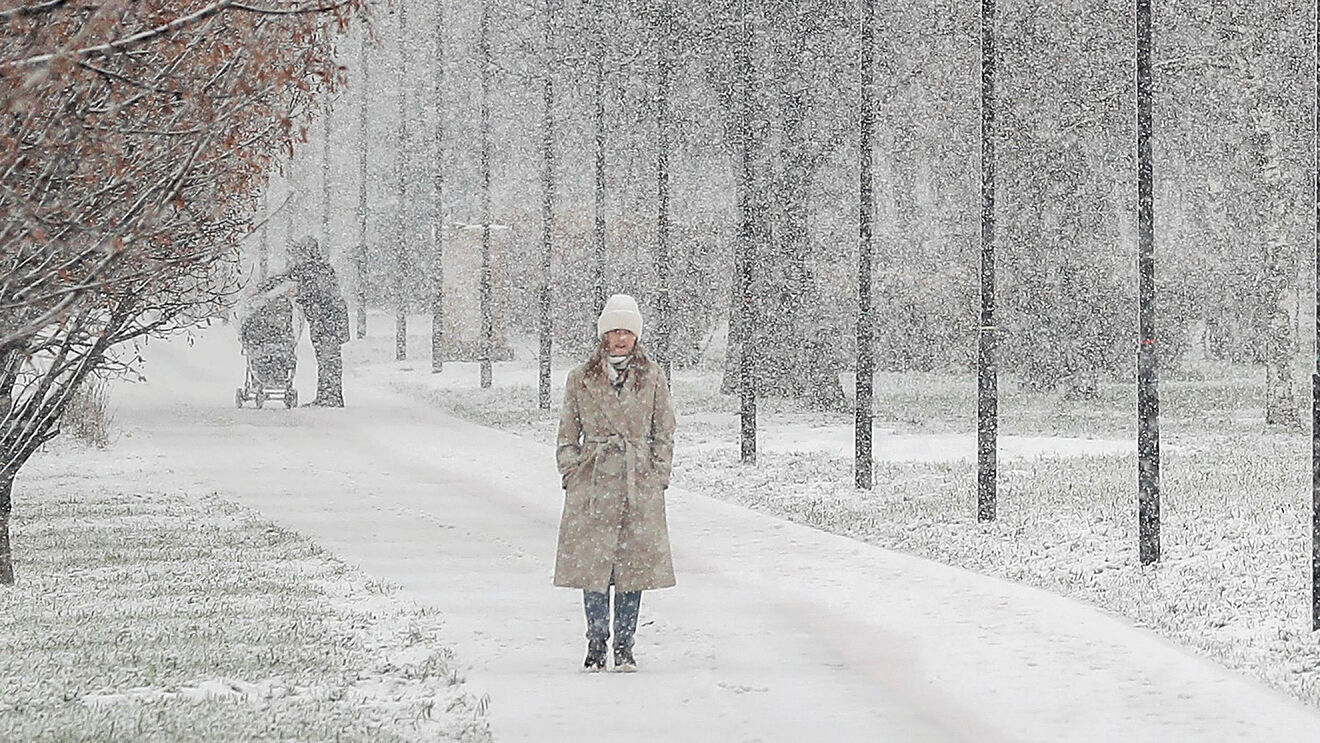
x=401, y=227
x=6, y=553
x=325, y=181
x=599, y=100
x=751, y=219
x=26, y=425
x=1280, y=344
x=263, y=247
x=1276, y=289
x=10, y=457
x=729, y=382
x=547, y=211
x=437, y=200
x=1148, y=398
x=363, y=148
x=741, y=367
x=487, y=309
x=664, y=67
x=865, y=384
x=987, y=372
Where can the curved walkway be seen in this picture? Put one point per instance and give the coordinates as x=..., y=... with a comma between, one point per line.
x=776, y=632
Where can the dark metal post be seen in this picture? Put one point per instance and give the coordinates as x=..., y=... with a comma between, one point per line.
x=747, y=232
x=547, y=210
x=863, y=464
x=487, y=310
x=987, y=382
x=1148, y=402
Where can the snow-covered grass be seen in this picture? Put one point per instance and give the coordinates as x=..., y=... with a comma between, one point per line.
x=1233, y=582
x=158, y=616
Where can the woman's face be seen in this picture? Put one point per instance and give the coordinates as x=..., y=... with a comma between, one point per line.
x=619, y=342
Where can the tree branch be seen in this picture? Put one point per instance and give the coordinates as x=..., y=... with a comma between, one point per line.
x=128, y=42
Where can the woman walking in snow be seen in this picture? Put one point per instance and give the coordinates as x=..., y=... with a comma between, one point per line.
x=615, y=447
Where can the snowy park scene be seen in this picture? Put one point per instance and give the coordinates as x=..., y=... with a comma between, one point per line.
x=651, y=370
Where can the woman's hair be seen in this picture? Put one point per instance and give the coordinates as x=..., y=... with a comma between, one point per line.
x=636, y=363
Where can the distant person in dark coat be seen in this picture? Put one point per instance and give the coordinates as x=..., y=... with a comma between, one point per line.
x=327, y=317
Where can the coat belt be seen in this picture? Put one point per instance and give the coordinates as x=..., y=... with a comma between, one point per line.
x=629, y=448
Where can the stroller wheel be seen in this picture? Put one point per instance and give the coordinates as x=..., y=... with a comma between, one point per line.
x=238, y=397
x=261, y=398
x=290, y=398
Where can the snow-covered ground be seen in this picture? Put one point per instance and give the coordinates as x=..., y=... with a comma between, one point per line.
x=776, y=631
x=152, y=613
x=1234, y=579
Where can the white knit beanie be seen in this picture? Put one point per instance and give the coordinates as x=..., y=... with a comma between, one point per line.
x=620, y=313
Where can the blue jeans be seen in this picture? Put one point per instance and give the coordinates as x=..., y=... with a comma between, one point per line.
x=627, y=605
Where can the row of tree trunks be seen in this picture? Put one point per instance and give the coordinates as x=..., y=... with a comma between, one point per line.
x=795, y=351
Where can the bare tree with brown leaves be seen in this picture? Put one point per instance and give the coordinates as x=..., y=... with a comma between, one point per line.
x=136, y=134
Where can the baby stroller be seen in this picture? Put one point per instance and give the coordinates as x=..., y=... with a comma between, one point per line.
x=269, y=343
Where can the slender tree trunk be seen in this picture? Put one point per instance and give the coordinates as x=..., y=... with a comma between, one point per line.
x=987, y=379
x=599, y=100
x=748, y=214
x=1280, y=344
x=487, y=310
x=364, y=147
x=547, y=209
x=38, y=417
x=8, y=372
x=289, y=205
x=862, y=460
x=437, y=199
x=401, y=229
x=325, y=180
x=1276, y=290
x=263, y=246
x=662, y=260
x=730, y=382
x=1315, y=376
x=1148, y=401
x=6, y=552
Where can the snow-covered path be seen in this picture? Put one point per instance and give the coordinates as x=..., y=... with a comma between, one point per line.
x=776, y=632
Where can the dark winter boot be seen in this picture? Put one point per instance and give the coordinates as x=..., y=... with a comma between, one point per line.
x=595, y=656
x=623, y=660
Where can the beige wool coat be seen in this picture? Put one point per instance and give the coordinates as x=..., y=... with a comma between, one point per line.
x=615, y=450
